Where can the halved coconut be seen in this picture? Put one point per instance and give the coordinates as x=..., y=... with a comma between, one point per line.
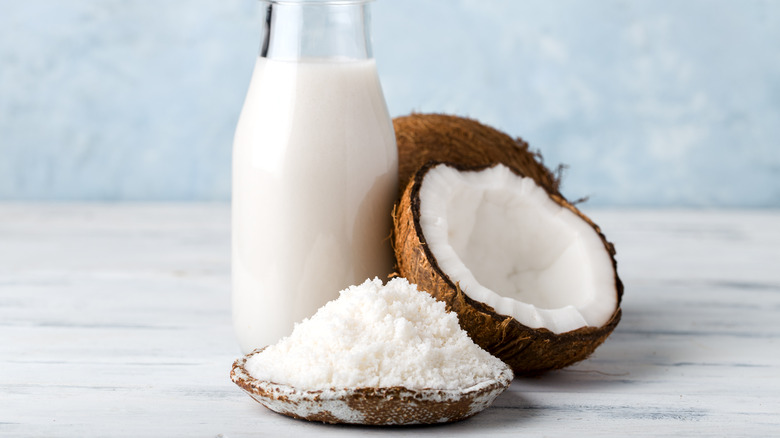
x=532, y=279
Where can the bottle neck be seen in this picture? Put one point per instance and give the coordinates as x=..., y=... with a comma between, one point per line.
x=324, y=30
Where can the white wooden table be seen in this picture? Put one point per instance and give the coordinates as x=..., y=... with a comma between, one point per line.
x=115, y=321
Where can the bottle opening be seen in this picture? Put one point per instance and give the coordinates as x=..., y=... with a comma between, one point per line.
x=323, y=2
x=317, y=29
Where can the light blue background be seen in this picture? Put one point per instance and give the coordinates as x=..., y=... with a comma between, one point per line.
x=651, y=103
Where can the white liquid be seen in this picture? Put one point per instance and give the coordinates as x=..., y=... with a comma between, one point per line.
x=314, y=179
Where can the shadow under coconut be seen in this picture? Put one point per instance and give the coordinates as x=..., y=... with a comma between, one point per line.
x=636, y=353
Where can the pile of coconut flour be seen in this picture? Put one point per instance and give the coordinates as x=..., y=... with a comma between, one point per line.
x=377, y=336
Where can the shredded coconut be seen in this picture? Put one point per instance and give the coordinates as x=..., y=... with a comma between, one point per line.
x=377, y=335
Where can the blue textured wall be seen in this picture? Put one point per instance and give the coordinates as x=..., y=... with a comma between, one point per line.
x=651, y=102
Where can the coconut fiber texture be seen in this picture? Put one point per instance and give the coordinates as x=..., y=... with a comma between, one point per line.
x=466, y=143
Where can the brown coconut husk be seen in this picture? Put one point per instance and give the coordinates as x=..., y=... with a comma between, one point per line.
x=465, y=142
x=526, y=350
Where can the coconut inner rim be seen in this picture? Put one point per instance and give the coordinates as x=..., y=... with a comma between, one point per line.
x=509, y=245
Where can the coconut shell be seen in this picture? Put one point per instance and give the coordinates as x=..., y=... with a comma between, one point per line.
x=526, y=350
x=371, y=406
x=465, y=142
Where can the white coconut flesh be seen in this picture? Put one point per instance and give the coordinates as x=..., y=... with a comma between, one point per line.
x=510, y=246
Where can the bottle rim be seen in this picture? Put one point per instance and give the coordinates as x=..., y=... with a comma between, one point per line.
x=318, y=2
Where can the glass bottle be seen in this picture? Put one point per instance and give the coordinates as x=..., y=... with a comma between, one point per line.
x=315, y=169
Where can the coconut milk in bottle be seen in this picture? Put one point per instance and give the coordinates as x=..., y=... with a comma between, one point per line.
x=314, y=170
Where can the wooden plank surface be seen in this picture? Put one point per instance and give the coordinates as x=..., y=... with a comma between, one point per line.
x=115, y=321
